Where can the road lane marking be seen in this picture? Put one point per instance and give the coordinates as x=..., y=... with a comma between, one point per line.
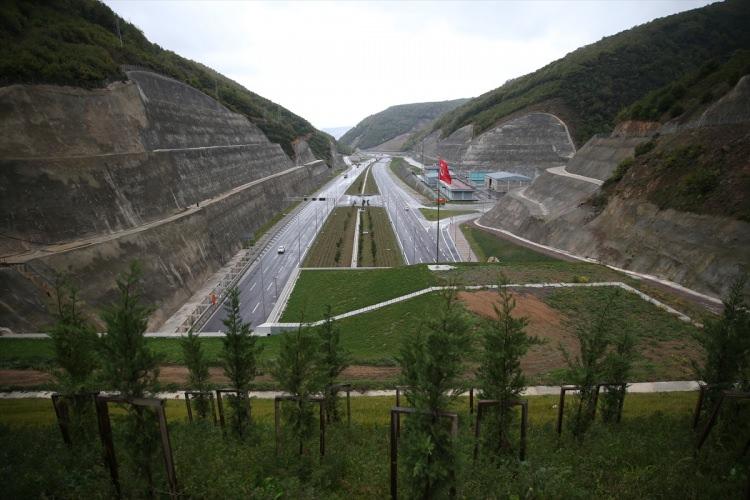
x=255, y=308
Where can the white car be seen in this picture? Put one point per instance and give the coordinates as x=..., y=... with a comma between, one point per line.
x=281, y=249
x=406, y=207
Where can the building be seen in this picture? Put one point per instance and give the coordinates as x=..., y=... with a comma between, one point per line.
x=476, y=178
x=457, y=190
x=502, y=182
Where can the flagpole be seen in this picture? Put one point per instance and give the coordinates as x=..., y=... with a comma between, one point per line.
x=437, y=236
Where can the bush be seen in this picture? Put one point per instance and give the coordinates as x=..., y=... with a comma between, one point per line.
x=644, y=147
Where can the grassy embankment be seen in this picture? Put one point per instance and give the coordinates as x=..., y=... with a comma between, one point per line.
x=334, y=244
x=432, y=213
x=648, y=455
x=377, y=242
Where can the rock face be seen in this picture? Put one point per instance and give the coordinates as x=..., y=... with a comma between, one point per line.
x=526, y=144
x=82, y=164
x=703, y=252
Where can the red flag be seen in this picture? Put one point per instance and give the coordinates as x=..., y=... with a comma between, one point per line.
x=444, y=175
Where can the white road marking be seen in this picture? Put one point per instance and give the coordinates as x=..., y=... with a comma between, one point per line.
x=256, y=307
x=251, y=288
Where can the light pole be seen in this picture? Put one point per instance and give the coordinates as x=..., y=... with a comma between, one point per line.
x=276, y=286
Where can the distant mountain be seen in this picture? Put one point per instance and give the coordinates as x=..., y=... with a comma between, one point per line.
x=337, y=132
x=83, y=43
x=591, y=85
x=389, y=129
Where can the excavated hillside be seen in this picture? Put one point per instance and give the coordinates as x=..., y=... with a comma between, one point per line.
x=148, y=169
x=526, y=144
x=668, y=200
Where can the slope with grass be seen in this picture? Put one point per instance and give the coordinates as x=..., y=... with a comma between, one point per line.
x=650, y=454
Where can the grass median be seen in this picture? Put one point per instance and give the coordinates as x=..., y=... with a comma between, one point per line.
x=377, y=244
x=432, y=213
x=334, y=244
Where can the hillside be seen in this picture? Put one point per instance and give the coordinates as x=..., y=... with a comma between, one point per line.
x=394, y=122
x=590, y=86
x=83, y=43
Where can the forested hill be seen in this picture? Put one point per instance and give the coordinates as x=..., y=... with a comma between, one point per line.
x=77, y=43
x=590, y=86
x=395, y=121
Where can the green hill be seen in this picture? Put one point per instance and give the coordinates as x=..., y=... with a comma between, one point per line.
x=591, y=85
x=84, y=43
x=395, y=121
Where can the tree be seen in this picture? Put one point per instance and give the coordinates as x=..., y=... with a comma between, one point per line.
x=587, y=369
x=74, y=342
x=726, y=343
x=500, y=377
x=431, y=365
x=195, y=360
x=130, y=368
x=298, y=372
x=239, y=360
x=333, y=360
x=617, y=366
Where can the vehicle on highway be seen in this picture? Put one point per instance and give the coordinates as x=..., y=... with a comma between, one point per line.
x=281, y=249
x=406, y=207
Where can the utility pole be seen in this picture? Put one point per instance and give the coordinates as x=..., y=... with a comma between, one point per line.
x=437, y=235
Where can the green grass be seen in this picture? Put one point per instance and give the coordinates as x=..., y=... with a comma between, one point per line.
x=356, y=187
x=432, y=213
x=371, y=185
x=650, y=454
x=348, y=290
x=486, y=245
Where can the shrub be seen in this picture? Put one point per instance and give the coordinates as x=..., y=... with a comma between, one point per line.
x=617, y=368
x=644, y=147
x=195, y=361
x=620, y=171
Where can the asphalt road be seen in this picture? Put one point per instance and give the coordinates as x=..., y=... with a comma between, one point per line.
x=416, y=235
x=266, y=278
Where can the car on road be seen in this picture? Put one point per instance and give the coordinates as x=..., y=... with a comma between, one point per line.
x=281, y=249
x=406, y=207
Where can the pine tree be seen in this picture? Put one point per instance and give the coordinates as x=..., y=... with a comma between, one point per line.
x=130, y=368
x=332, y=363
x=239, y=360
x=298, y=372
x=500, y=377
x=432, y=362
x=195, y=360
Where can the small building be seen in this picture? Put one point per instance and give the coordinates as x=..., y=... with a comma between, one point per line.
x=502, y=182
x=457, y=190
x=476, y=178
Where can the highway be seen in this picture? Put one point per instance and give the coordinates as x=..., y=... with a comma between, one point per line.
x=266, y=278
x=415, y=234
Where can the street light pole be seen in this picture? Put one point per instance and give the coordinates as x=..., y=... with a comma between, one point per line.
x=276, y=286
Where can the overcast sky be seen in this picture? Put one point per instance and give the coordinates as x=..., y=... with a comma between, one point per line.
x=334, y=63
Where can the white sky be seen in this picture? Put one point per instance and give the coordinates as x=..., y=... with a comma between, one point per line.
x=334, y=63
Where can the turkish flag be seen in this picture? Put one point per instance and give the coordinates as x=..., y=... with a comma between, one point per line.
x=444, y=175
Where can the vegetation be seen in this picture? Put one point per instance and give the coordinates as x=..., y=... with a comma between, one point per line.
x=83, y=43
x=432, y=213
x=197, y=365
x=588, y=87
x=432, y=362
x=298, y=371
x=238, y=358
x=649, y=455
x=74, y=341
x=350, y=290
x=333, y=360
x=394, y=121
x=726, y=343
x=334, y=244
x=500, y=378
x=364, y=184
x=485, y=245
x=692, y=92
x=378, y=246
x=131, y=369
